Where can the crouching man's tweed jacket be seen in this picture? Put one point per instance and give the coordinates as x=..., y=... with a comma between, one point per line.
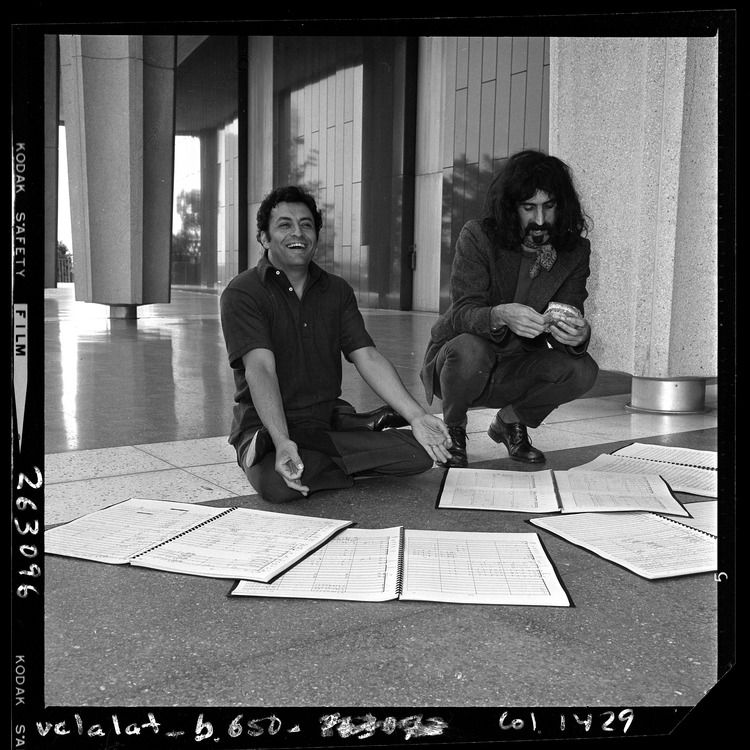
x=484, y=275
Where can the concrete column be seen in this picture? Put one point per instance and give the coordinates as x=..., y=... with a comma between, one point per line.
x=637, y=121
x=50, y=160
x=260, y=146
x=118, y=96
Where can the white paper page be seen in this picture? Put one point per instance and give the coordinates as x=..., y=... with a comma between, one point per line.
x=114, y=534
x=680, y=478
x=479, y=568
x=488, y=489
x=671, y=454
x=356, y=565
x=704, y=516
x=245, y=543
x=604, y=491
x=650, y=545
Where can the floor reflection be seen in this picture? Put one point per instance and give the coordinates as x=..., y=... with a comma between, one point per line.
x=119, y=382
x=165, y=377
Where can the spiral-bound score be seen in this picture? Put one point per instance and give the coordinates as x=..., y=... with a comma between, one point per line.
x=422, y=565
x=684, y=469
x=191, y=538
x=648, y=544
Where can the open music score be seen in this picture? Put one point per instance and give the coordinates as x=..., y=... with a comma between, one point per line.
x=192, y=539
x=704, y=516
x=684, y=469
x=490, y=489
x=648, y=544
x=422, y=565
x=556, y=491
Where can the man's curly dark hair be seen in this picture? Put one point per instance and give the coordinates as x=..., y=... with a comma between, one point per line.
x=286, y=194
x=519, y=178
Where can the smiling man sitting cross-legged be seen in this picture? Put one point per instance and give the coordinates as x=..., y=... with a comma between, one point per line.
x=287, y=323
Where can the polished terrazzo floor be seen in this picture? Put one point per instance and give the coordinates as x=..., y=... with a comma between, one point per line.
x=143, y=408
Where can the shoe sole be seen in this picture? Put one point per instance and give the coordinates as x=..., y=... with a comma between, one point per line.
x=498, y=439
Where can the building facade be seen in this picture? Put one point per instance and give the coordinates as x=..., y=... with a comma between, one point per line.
x=173, y=142
x=397, y=137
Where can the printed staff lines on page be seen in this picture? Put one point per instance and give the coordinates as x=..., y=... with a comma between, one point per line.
x=200, y=540
x=671, y=454
x=603, y=484
x=446, y=566
x=228, y=539
x=562, y=491
x=684, y=469
x=492, y=489
x=651, y=543
x=482, y=496
x=648, y=544
x=348, y=565
x=417, y=569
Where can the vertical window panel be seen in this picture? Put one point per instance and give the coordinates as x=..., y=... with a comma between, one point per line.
x=339, y=266
x=544, y=134
x=357, y=255
x=489, y=58
x=473, y=101
x=357, y=125
x=462, y=62
x=339, y=133
x=206, y=186
x=450, y=64
x=516, y=126
x=502, y=97
x=520, y=52
x=534, y=90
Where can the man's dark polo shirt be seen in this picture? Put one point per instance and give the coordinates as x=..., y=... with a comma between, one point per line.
x=260, y=310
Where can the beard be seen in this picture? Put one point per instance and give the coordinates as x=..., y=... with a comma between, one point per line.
x=544, y=236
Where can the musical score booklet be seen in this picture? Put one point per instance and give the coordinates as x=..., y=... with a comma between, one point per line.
x=192, y=538
x=684, y=469
x=422, y=565
x=550, y=491
x=648, y=544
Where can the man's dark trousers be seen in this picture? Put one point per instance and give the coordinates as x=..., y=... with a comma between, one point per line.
x=473, y=371
x=332, y=458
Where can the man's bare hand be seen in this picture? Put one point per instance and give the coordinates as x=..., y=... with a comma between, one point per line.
x=570, y=331
x=433, y=436
x=290, y=467
x=521, y=319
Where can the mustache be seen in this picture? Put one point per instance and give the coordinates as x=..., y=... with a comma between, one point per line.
x=538, y=227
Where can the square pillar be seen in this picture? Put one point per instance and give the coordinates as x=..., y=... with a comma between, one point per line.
x=637, y=120
x=118, y=99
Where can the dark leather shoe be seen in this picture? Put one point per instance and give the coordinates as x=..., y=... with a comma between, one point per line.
x=516, y=440
x=375, y=420
x=458, y=459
